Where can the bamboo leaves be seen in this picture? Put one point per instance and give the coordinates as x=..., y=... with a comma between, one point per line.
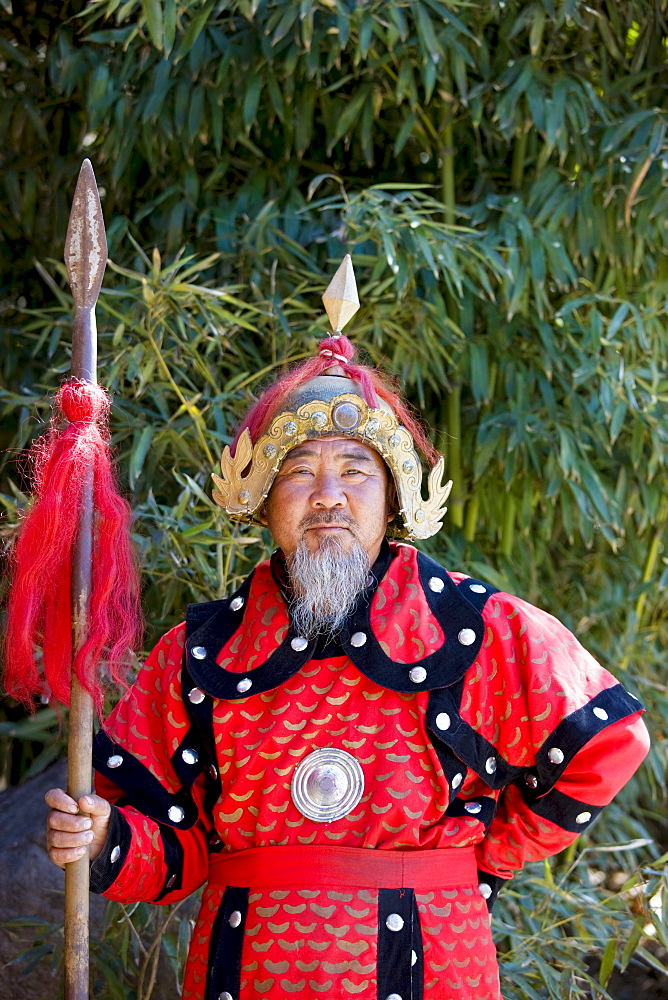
x=499, y=174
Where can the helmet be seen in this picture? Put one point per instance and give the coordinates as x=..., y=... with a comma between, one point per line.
x=329, y=396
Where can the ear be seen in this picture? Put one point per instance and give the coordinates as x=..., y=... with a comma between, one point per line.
x=392, y=501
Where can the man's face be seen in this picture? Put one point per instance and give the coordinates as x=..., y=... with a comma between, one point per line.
x=330, y=488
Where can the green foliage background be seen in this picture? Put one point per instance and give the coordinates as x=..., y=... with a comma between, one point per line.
x=499, y=172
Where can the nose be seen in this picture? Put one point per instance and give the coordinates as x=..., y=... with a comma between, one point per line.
x=327, y=493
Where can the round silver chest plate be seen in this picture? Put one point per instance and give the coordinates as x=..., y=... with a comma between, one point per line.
x=327, y=785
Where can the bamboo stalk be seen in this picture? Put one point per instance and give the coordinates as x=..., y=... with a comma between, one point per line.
x=447, y=157
x=519, y=156
x=648, y=572
x=456, y=506
x=471, y=521
x=508, y=529
x=85, y=257
x=448, y=172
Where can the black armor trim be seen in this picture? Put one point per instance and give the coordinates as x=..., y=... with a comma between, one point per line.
x=173, y=854
x=495, y=883
x=484, y=804
x=457, y=610
x=565, y=812
x=577, y=729
x=104, y=871
x=142, y=789
x=396, y=973
x=227, y=938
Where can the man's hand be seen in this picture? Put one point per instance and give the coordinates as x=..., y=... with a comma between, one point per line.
x=68, y=833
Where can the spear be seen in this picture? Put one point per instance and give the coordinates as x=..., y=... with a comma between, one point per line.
x=85, y=259
x=74, y=598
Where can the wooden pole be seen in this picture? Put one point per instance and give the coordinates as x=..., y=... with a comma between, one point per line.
x=85, y=258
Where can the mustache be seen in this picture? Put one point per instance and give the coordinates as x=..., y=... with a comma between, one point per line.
x=335, y=518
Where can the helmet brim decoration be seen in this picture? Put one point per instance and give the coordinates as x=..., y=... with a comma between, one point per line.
x=328, y=396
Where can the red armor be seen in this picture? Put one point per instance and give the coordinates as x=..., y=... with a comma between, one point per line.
x=478, y=721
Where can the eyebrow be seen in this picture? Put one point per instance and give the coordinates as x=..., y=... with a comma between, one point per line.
x=306, y=452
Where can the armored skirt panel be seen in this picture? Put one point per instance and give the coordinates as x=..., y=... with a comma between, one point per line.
x=451, y=724
x=344, y=942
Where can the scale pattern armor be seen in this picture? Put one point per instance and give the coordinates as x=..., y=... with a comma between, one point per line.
x=478, y=721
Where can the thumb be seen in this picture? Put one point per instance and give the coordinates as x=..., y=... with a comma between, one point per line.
x=99, y=811
x=94, y=805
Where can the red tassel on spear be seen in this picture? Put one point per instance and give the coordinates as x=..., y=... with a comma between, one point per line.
x=75, y=588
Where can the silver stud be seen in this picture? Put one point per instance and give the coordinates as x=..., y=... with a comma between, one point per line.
x=245, y=685
x=436, y=584
x=171, y=881
x=456, y=781
x=372, y=425
x=394, y=922
x=269, y=450
x=190, y=756
x=225, y=996
x=419, y=516
x=236, y=604
x=244, y=496
x=176, y=814
x=600, y=713
x=485, y=890
x=473, y=807
x=490, y=765
x=417, y=675
x=478, y=588
x=413, y=957
x=213, y=771
x=358, y=639
x=555, y=755
x=115, y=760
x=290, y=428
x=115, y=854
x=235, y=918
x=442, y=721
x=319, y=419
x=394, y=441
x=531, y=780
x=196, y=696
x=393, y=996
x=583, y=817
x=466, y=636
x=199, y=652
x=408, y=466
x=299, y=643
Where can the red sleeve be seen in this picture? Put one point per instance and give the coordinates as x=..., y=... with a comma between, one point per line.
x=149, y=767
x=524, y=831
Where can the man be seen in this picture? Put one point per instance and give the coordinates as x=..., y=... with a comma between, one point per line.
x=357, y=748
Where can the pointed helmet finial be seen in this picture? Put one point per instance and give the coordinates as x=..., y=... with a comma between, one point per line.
x=340, y=299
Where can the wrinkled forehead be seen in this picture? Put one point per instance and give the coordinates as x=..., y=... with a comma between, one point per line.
x=336, y=449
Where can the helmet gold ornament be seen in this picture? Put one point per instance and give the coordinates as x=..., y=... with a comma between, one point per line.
x=334, y=405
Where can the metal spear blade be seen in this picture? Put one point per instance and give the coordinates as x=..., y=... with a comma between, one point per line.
x=86, y=241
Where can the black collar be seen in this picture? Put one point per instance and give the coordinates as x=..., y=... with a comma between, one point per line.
x=210, y=627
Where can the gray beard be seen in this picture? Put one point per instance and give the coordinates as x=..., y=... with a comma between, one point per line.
x=326, y=584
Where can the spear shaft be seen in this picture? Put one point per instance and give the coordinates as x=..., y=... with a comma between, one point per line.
x=85, y=257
